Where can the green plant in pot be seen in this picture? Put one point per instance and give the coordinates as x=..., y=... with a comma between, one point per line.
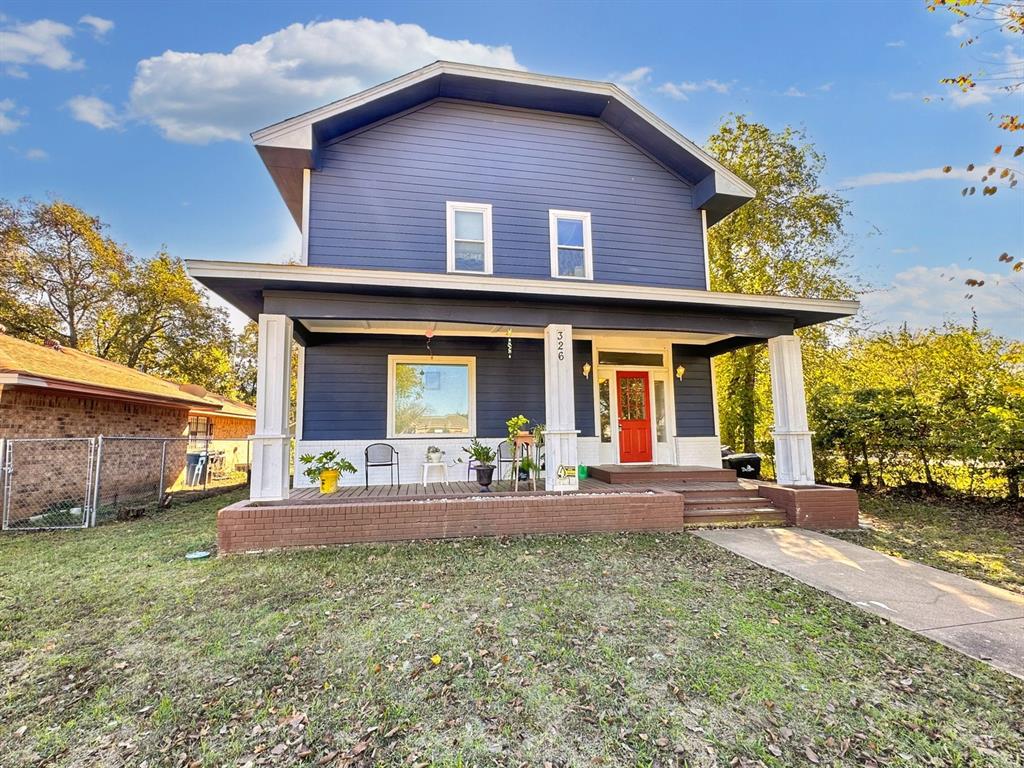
x=325, y=468
x=483, y=455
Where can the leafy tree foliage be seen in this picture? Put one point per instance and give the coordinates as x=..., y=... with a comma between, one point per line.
x=788, y=240
x=943, y=406
x=64, y=279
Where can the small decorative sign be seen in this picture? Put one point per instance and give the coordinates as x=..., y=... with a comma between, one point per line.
x=566, y=471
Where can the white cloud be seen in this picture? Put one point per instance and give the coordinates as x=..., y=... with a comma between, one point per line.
x=204, y=97
x=957, y=29
x=880, y=178
x=826, y=87
x=36, y=43
x=100, y=26
x=794, y=92
x=9, y=113
x=36, y=154
x=94, y=111
x=682, y=89
x=633, y=80
x=926, y=296
x=896, y=44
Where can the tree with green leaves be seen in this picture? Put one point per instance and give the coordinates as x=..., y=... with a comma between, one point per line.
x=788, y=240
x=64, y=279
x=942, y=406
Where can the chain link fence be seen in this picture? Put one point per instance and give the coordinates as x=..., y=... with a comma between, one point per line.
x=79, y=482
x=47, y=482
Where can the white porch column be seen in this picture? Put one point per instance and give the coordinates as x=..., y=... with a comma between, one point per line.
x=794, y=464
x=270, y=444
x=560, y=436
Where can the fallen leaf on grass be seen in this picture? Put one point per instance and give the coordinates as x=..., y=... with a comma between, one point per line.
x=811, y=755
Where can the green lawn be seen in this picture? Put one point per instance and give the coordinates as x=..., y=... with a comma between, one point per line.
x=643, y=650
x=979, y=539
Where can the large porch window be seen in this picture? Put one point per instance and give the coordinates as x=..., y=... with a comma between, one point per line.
x=431, y=396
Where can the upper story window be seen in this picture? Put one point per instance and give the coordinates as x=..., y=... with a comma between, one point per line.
x=469, y=238
x=572, y=254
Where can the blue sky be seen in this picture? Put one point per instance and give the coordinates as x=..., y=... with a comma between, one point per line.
x=140, y=113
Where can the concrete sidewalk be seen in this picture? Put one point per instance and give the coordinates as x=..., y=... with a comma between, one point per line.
x=979, y=620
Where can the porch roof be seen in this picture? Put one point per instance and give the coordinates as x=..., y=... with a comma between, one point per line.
x=307, y=293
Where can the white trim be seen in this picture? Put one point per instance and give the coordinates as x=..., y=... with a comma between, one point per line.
x=588, y=243
x=451, y=207
x=469, y=362
x=707, y=254
x=306, y=173
x=335, y=276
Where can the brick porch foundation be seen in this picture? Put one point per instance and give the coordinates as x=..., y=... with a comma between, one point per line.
x=242, y=527
x=820, y=507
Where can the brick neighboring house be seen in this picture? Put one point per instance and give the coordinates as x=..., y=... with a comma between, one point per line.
x=57, y=392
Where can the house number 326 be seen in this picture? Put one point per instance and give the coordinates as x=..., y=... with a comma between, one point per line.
x=560, y=338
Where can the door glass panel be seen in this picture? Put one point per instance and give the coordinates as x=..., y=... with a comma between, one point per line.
x=605, y=408
x=659, y=411
x=631, y=399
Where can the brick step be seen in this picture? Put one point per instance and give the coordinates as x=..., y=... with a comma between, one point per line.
x=727, y=491
x=725, y=502
x=750, y=516
x=617, y=473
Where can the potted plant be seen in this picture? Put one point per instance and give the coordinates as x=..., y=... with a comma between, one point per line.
x=516, y=430
x=325, y=468
x=434, y=455
x=529, y=467
x=483, y=455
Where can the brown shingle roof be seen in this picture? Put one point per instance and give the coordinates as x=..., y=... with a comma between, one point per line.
x=66, y=368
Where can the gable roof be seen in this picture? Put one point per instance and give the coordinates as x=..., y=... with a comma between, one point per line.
x=52, y=367
x=290, y=146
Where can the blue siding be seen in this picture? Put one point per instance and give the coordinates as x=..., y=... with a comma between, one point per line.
x=345, y=396
x=378, y=199
x=583, y=388
x=695, y=415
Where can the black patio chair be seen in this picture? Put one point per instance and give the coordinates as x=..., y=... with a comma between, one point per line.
x=382, y=455
x=506, y=455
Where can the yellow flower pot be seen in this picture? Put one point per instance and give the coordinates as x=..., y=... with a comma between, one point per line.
x=329, y=481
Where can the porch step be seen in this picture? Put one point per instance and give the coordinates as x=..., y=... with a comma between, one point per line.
x=699, y=502
x=627, y=473
x=733, y=516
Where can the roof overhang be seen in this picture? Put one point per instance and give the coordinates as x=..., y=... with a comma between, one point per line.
x=292, y=145
x=88, y=390
x=357, y=294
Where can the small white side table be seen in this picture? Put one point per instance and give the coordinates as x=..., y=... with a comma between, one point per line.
x=429, y=465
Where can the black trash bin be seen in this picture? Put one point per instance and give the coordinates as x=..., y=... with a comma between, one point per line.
x=747, y=465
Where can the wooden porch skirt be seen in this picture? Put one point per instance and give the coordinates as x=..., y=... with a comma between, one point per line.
x=245, y=528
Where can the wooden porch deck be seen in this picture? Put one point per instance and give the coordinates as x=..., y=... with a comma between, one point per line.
x=654, y=478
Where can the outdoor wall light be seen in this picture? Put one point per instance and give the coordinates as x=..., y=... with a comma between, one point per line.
x=680, y=372
x=586, y=370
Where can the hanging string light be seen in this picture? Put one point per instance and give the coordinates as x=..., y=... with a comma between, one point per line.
x=429, y=335
x=509, y=343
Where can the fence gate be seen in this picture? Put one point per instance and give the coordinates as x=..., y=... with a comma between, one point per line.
x=47, y=482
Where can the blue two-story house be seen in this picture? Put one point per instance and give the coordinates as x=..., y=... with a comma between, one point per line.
x=480, y=243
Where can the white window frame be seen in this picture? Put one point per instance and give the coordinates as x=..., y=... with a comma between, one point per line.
x=588, y=243
x=485, y=208
x=469, y=362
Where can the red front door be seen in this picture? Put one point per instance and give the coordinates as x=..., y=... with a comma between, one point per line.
x=634, y=417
